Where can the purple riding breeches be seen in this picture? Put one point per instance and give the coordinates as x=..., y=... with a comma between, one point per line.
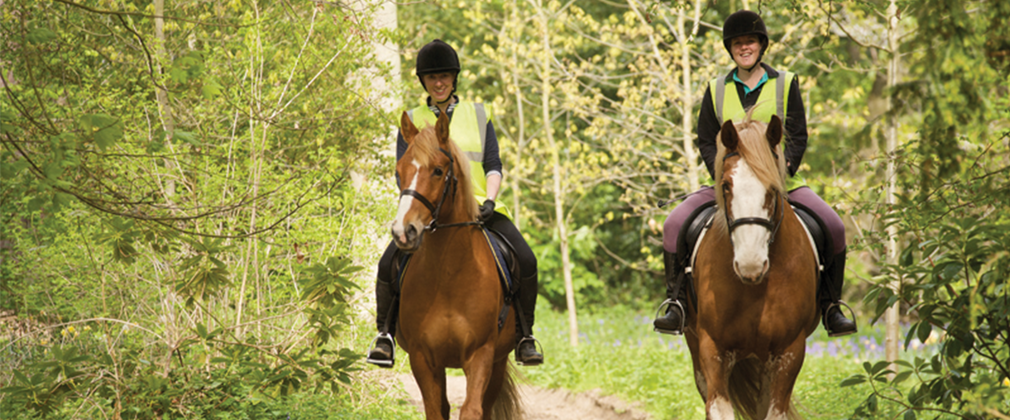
x=802, y=195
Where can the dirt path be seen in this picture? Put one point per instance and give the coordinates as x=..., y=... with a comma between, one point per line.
x=541, y=404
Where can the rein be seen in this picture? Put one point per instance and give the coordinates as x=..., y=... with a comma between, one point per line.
x=450, y=183
x=760, y=221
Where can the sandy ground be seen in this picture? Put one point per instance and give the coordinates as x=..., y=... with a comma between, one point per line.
x=541, y=404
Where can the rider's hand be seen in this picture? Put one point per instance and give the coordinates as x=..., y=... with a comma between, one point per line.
x=486, y=210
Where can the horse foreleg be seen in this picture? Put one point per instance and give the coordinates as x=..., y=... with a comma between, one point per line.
x=494, y=385
x=715, y=368
x=478, y=371
x=431, y=380
x=786, y=368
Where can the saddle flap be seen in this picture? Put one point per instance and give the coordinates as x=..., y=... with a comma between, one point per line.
x=817, y=233
x=691, y=233
x=504, y=248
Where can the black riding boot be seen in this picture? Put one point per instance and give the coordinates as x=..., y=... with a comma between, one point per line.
x=832, y=317
x=526, y=349
x=381, y=353
x=672, y=322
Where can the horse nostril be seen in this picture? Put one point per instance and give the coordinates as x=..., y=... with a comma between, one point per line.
x=411, y=232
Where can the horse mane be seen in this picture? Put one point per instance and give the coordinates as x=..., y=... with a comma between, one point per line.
x=426, y=150
x=753, y=147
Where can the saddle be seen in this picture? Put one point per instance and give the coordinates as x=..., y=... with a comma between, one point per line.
x=508, y=270
x=400, y=260
x=700, y=220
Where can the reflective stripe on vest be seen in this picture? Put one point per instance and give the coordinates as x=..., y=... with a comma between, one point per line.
x=468, y=129
x=728, y=105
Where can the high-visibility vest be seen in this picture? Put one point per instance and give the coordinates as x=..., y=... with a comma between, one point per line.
x=468, y=129
x=770, y=102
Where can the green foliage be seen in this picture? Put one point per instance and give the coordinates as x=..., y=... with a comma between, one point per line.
x=953, y=273
x=620, y=355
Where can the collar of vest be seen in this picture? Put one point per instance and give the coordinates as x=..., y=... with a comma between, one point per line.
x=746, y=89
x=771, y=72
x=448, y=110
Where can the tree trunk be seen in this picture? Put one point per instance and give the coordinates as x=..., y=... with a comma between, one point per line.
x=687, y=98
x=559, y=193
x=891, y=318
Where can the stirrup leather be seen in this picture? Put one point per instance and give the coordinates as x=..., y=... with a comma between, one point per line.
x=536, y=345
x=668, y=304
x=824, y=318
x=385, y=338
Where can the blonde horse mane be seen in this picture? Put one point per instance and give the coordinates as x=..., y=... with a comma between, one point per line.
x=426, y=149
x=753, y=148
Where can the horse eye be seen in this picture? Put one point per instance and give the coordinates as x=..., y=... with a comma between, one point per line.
x=438, y=171
x=726, y=190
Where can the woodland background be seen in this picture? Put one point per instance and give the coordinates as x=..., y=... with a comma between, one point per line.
x=195, y=193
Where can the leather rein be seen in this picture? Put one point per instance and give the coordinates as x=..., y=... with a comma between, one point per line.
x=450, y=181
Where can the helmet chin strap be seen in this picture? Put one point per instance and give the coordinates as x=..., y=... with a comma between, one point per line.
x=449, y=98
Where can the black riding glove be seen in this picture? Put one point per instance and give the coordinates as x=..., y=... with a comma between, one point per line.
x=486, y=210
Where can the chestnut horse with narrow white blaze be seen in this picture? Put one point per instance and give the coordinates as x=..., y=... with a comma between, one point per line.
x=755, y=279
x=451, y=296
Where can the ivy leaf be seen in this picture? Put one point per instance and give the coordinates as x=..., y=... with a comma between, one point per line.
x=5, y=121
x=41, y=36
x=187, y=137
x=104, y=129
x=211, y=88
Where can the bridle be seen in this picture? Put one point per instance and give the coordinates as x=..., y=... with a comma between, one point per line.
x=450, y=181
x=773, y=227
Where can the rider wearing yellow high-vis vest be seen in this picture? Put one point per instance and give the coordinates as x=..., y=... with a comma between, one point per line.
x=469, y=131
x=471, y=128
x=753, y=84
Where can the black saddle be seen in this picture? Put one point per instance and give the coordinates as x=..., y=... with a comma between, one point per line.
x=702, y=217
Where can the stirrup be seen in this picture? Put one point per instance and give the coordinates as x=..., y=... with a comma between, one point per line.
x=659, y=312
x=824, y=319
x=385, y=338
x=536, y=345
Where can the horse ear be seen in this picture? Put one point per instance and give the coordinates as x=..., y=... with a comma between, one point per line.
x=729, y=136
x=407, y=128
x=442, y=129
x=774, y=131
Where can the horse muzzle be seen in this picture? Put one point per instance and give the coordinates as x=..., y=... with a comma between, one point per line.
x=752, y=273
x=408, y=236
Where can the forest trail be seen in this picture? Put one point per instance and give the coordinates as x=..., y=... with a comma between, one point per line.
x=539, y=403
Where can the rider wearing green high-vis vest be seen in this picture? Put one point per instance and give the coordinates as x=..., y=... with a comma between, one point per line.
x=770, y=92
x=470, y=127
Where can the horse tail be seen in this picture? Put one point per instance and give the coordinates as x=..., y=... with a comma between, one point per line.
x=508, y=404
x=745, y=387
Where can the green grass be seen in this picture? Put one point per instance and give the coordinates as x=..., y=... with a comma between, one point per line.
x=621, y=355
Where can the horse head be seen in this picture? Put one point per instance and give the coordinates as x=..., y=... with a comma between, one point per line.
x=750, y=192
x=433, y=175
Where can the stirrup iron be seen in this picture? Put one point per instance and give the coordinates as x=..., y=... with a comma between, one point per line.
x=385, y=338
x=667, y=304
x=536, y=344
x=824, y=318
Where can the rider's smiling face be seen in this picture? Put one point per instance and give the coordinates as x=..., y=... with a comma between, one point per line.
x=745, y=49
x=439, y=85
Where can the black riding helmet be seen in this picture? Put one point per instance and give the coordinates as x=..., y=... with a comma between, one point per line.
x=437, y=57
x=744, y=22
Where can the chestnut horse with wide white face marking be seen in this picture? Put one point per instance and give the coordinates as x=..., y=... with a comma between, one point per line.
x=755, y=279
x=451, y=296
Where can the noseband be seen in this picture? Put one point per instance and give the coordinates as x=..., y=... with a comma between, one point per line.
x=450, y=186
x=760, y=221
